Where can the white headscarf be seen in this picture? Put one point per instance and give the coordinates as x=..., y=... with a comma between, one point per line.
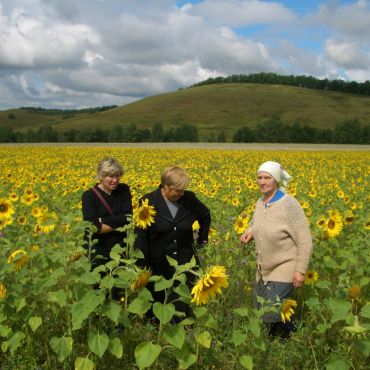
x=276, y=171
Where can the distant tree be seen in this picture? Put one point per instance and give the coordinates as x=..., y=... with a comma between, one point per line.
x=186, y=133
x=7, y=135
x=348, y=132
x=116, y=134
x=47, y=134
x=157, y=133
x=11, y=116
x=244, y=135
x=221, y=137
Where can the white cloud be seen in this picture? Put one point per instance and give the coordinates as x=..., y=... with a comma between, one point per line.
x=347, y=54
x=98, y=52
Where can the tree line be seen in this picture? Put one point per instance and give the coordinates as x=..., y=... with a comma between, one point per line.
x=309, y=82
x=272, y=130
x=67, y=112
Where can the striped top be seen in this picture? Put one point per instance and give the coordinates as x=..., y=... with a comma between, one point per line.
x=282, y=238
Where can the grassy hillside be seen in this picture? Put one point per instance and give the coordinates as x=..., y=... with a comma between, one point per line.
x=215, y=107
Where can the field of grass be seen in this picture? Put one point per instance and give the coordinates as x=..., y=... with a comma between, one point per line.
x=213, y=108
x=53, y=316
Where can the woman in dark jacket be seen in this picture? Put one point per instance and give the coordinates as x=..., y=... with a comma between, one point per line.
x=107, y=206
x=171, y=232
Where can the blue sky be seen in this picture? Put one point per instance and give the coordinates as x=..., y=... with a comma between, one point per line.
x=74, y=54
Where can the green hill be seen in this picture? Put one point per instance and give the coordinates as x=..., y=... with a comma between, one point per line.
x=212, y=108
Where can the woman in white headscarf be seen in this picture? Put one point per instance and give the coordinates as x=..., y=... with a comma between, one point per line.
x=283, y=243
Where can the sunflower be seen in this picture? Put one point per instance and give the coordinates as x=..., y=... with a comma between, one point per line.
x=241, y=224
x=22, y=220
x=2, y=291
x=209, y=285
x=334, y=225
x=36, y=211
x=6, y=210
x=310, y=277
x=349, y=217
x=321, y=222
x=340, y=194
x=354, y=292
x=141, y=279
x=19, y=257
x=287, y=309
x=144, y=215
x=235, y=201
x=46, y=221
x=27, y=199
x=13, y=197
x=195, y=225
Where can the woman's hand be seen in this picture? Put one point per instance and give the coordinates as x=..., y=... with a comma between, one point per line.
x=246, y=237
x=298, y=279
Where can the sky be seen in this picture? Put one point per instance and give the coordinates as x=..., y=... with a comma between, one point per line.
x=71, y=54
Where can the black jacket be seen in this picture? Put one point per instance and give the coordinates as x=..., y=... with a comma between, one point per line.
x=172, y=236
x=92, y=209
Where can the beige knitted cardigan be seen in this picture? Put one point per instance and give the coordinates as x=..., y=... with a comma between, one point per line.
x=282, y=238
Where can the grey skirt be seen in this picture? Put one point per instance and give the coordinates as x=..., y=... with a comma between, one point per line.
x=271, y=292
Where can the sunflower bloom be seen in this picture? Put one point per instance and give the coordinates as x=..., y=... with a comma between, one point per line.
x=19, y=257
x=354, y=292
x=241, y=224
x=209, y=285
x=46, y=221
x=144, y=215
x=311, y=277
x=334, y=225
x=2, y=291
x=141, y=280
x=6, y=210
x=287, y=309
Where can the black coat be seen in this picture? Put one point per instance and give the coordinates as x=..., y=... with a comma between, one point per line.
x=92, y=209
x=172, y=236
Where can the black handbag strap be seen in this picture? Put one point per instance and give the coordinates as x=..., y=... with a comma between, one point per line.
x=102, y=200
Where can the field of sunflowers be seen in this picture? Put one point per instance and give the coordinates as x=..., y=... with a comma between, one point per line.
x=55, y=313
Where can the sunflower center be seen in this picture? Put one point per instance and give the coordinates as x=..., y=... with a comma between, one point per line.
x=331, y=224
x=3, y=208
x=144, y=213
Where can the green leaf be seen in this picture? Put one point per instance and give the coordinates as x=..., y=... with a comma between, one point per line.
x=174, y=335
x=242, y=311
x=254, y=327
x=107, y=282
x=184, y=357
x=313, y=302
x=211, y=322
x=339, y=309
x=246, y=361
x=115, y=347
x=146, y=353
x=163, y=312
x=4, y=346
x=183, y=291
x=199, y=311
x=336, y=363
x=139, y=306
x=59, y=297
x=239, y=337
x=83, y=363
x=172, y=261
x=34, y=322
x=15, y=341
x=4, y=330
x=81, y=310
x=363, y=347
x=204, y=339
x=323, y=284
x=162, y=284
x=90, y=278
x=19, y=304
x=98, y=343
x=113, y=310
x=62, y=347
x=365, y=311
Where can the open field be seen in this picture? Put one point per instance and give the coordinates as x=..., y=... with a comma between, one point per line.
x=210, y=146
x=212, y=108
x=55, y=313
